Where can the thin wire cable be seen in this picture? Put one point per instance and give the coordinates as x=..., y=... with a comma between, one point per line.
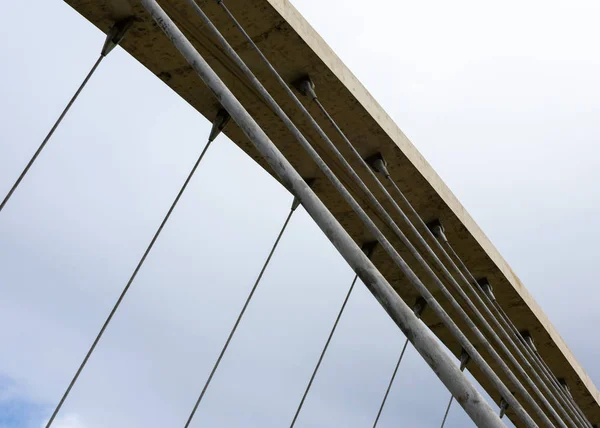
x=464, y=360
x=135, y=272
x=239, y=318
x=447, y=411
x=58, y=121
x=314, y=373
x=418, y=309
x=390, y=384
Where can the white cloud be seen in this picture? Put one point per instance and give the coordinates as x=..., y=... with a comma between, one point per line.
x=70, y=420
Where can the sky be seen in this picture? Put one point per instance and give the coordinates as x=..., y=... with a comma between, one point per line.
x=501, y=98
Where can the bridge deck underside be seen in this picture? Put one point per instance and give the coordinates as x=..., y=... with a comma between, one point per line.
x=295, y=50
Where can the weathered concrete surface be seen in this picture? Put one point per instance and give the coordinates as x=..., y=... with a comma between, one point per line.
x=296, y=49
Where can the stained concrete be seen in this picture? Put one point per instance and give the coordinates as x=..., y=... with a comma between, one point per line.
x=295, y=49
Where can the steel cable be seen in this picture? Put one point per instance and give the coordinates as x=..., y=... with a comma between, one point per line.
x=239, y=318
x=114, y=36
x=418, y=309
x=368, y=250
x=128, y=285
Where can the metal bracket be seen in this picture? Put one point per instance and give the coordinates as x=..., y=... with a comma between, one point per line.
x=503, y=407
x=368, y=248
x=486, y=287
x=437, y=228
x=563, y=383
x=296, y=201
x=378, y=163
x=219, y=122
x=528, y=339
x=464, y=360
x=116, y=34
x=419, y=306
x=305, y=86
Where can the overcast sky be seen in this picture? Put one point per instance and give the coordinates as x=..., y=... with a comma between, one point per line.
x=502, y=98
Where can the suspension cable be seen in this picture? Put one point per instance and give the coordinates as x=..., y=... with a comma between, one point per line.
x=113, y=38
x=418, y=309
x=295, y=205
x=368, y=249
x=218, y=125
x=464, y=360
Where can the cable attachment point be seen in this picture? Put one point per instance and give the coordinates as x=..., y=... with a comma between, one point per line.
x=369, y=248
x=528, y=339
x=419, y=306
x=296, y=201
x=306, y=87
x=464, y=360
x=437, y=229
x=563, y=383
x=219, y=123
x=116, y=34
x=487, y=289
x=503, y=407
x=378, y=163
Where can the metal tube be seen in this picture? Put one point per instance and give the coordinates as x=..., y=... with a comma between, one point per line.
x=537, y=358
x=309, y=90
x=561, y=381
x=505, y=320
x=506, y=325
x=544, y=366
x=531, y=353
x=479, y=411
x=382, y=168
x=413, y=279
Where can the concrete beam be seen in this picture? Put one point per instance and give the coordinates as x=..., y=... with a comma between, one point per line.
x=296, y=49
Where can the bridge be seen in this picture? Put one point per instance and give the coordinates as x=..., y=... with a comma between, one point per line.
x=266, y=79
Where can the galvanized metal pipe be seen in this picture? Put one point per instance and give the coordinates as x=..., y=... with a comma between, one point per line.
x=540, y=363
x=537, y=358
x=499, y=314
x=509, y=328
x=544, y=366
x=531, y=353
x=479, y=411
x=308, y=89
x=551, y=375
x=413, y=279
